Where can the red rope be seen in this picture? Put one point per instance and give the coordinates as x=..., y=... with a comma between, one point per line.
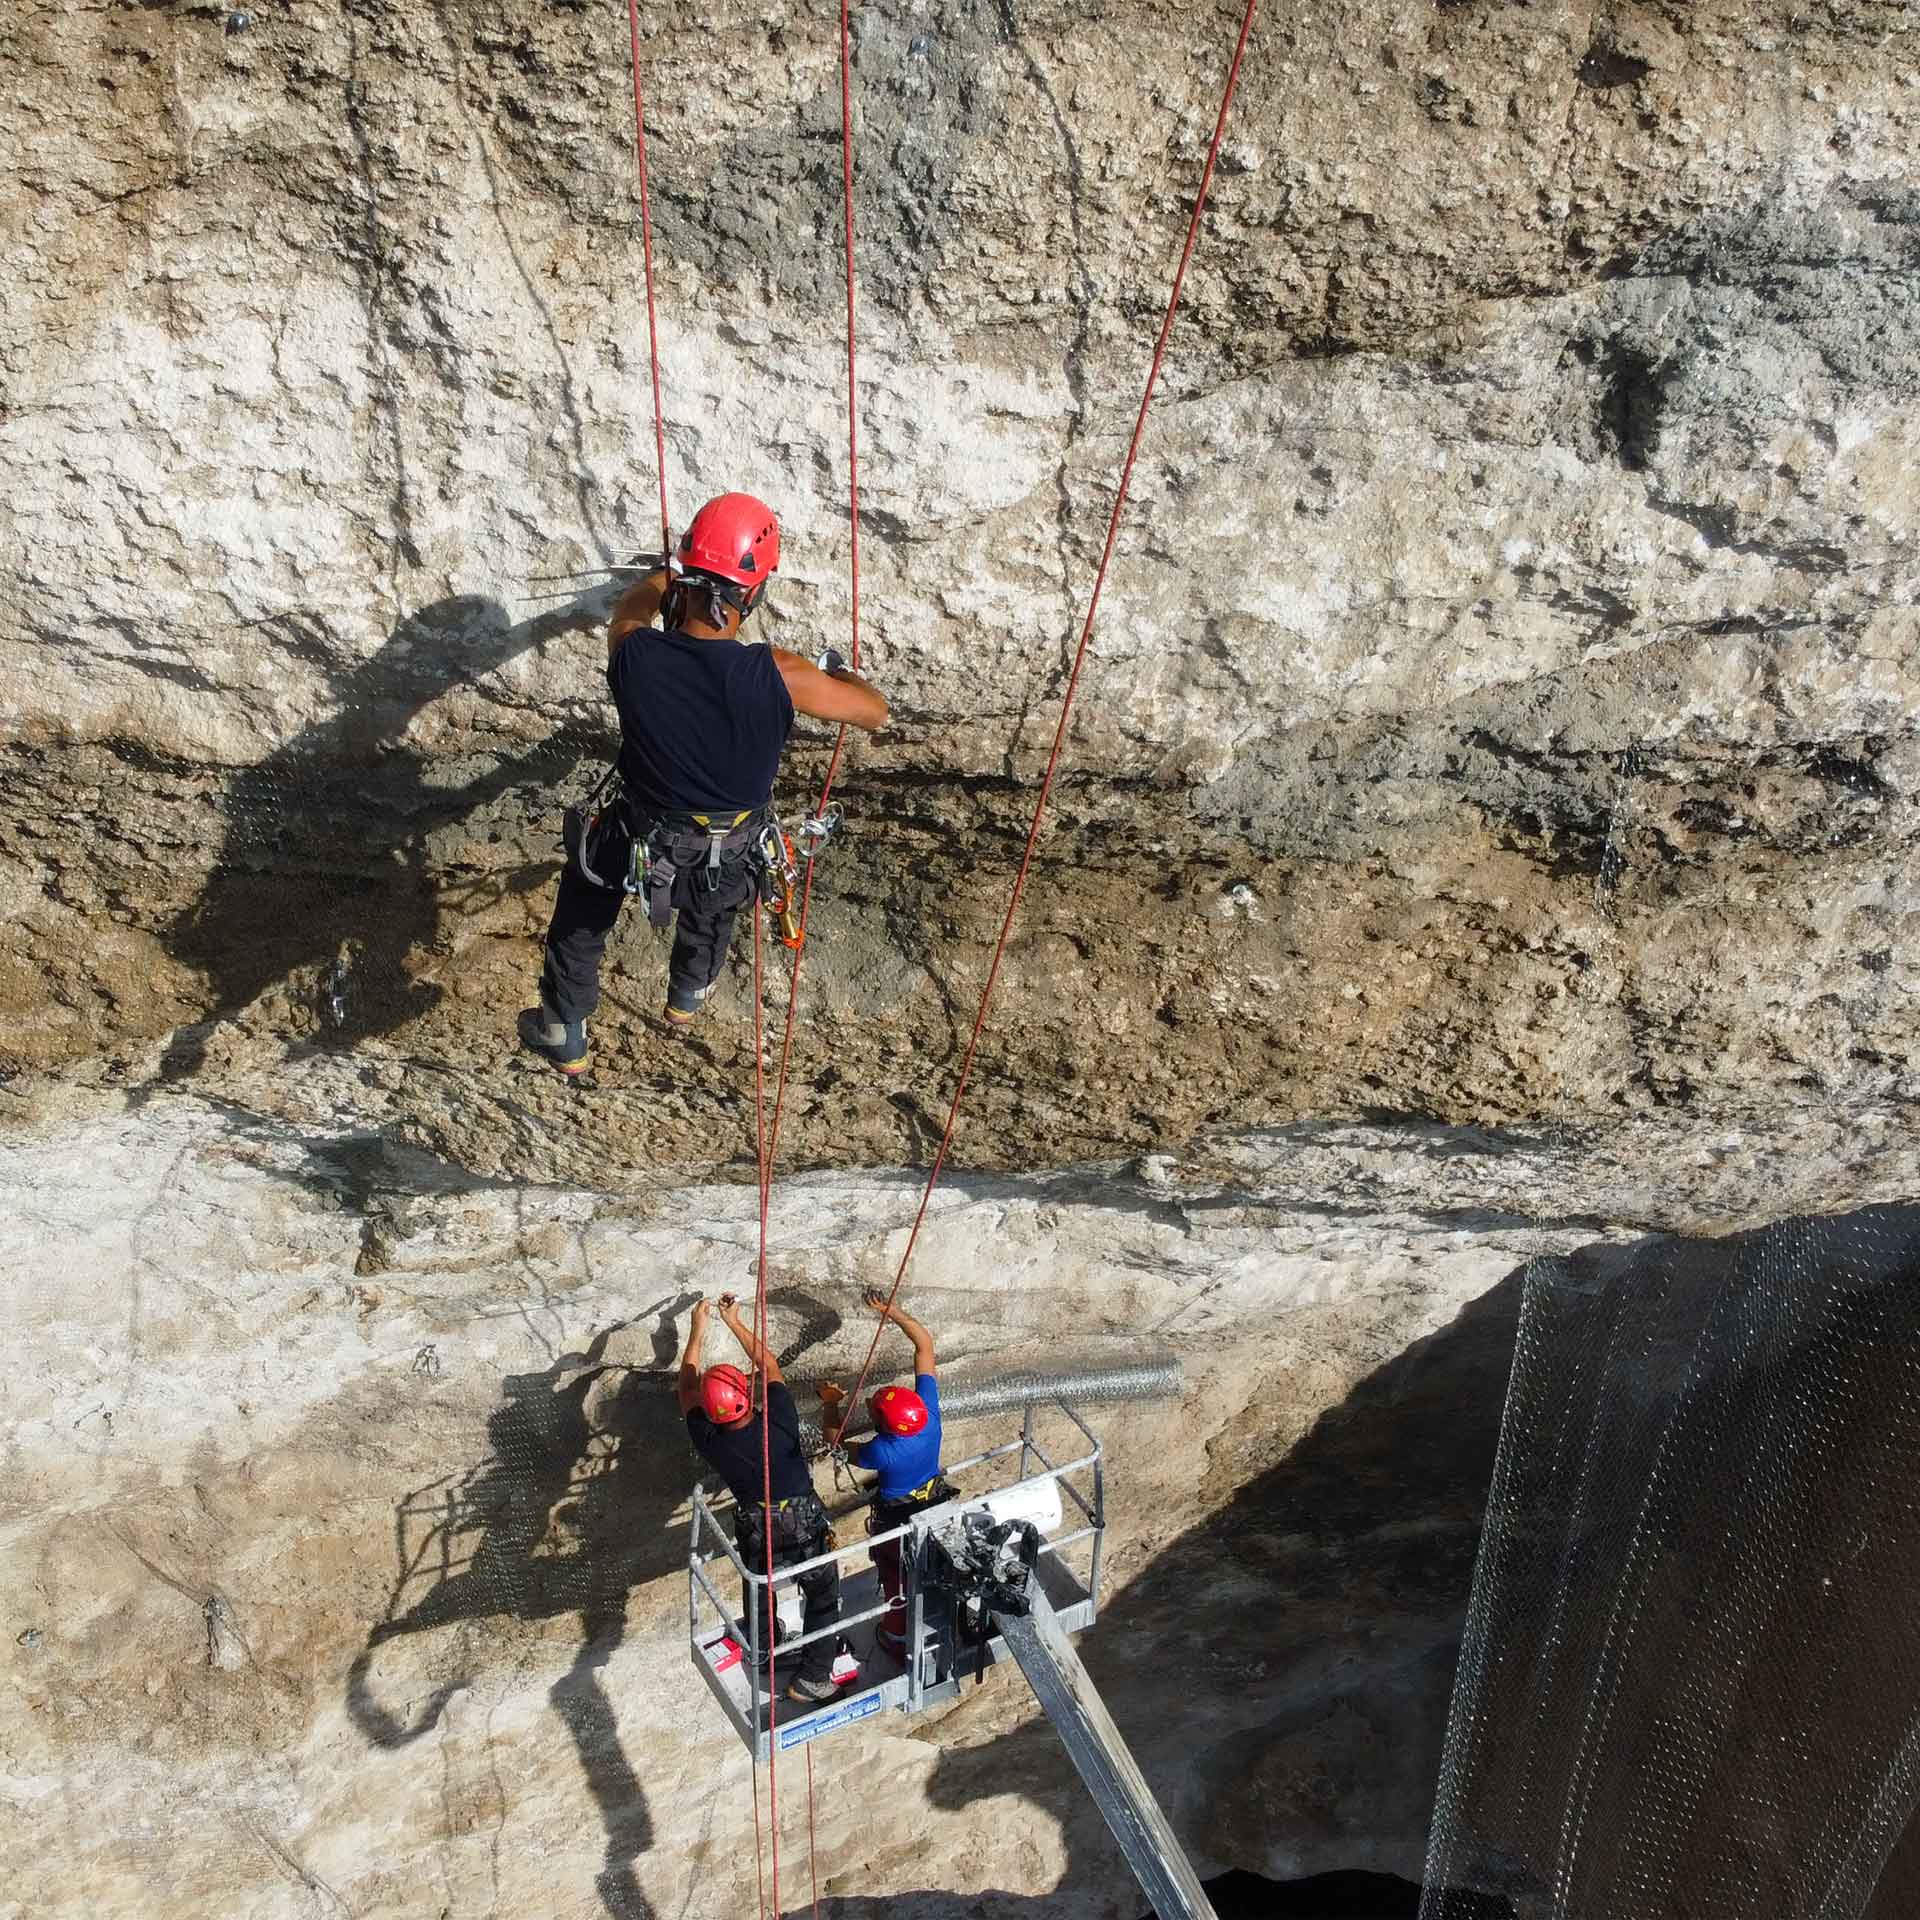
x=853, y=385
x=766, y=1422
x=646, y=254
x=813, y=1860
x=853, y=559
x=839, y=743
x=1073, y=682
x=759, y=1856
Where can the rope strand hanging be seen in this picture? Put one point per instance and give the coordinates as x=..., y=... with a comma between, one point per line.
x=646, y=256
x=771, y=1139
x=766, y=1419
x=1073, y=680
x=853, y=551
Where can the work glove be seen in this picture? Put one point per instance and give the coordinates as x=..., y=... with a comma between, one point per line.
x=832, y=661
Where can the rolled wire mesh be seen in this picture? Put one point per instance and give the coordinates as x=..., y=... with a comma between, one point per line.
x=1690, y=1678
x=1157, y=1378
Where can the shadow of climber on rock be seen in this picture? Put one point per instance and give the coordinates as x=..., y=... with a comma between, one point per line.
x=571, y=1508
x=326, y=884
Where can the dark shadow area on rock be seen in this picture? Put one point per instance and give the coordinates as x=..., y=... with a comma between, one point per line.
x=324, y=879
x=1321, y=1896
x=570, y=1509
x=1324, y=1602
x=1692, y=1680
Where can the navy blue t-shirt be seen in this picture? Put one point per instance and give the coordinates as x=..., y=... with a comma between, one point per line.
x=734, y=1452
x=702, y=722
x=905, y=1462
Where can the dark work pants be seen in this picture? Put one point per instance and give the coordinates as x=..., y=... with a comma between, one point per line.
x=583, y=916
x=819, y=1595
x=886, y=1564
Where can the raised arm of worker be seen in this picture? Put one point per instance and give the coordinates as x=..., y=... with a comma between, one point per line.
x=758, y=1352
x=901, y=1318
x=687, y=1386
x=637, y=608
x=831, y=692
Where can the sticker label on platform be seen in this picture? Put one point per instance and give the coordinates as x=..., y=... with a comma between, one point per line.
x=817, y=1724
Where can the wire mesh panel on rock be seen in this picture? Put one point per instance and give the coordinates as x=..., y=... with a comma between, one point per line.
x=1690, y=1680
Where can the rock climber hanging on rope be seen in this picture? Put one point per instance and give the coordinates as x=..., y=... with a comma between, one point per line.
x=721, y=1423
x=685, y=815
x=905, y=1453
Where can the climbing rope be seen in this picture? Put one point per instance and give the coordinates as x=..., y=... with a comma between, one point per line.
x=853, y=551
x=766, y=1134
x=766, y=1421
x=646, y=255
x=1073, y=682
x=839, y=739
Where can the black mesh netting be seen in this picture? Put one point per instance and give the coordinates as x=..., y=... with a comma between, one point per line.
x=1690, y=1681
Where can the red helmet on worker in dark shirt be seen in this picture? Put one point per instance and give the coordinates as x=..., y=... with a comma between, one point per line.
x=734, y=540
x=899, y=1410
x=725, y=1393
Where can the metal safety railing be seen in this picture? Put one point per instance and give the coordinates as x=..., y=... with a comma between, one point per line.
x=1076, y=1550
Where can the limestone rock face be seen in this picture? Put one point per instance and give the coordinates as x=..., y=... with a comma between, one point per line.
x=1509, y=656
x=346, y=1505
x=1487, y=825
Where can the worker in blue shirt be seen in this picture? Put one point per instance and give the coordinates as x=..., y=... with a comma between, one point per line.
x=905, y=1453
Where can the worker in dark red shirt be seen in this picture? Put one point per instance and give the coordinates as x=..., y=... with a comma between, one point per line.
x=773, y=1494
x=703, y=722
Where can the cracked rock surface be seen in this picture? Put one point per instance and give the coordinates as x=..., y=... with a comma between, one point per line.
x=1503, y=699
x=1488, y=826
x=346, y=1502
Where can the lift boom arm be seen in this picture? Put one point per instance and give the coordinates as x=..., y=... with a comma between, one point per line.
x=1066, y=1692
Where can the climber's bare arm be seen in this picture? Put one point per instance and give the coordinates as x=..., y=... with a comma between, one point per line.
x=638, y=608
x=831, y=696
x=687, y=1386
x=901, y=1318
x=758, y=1352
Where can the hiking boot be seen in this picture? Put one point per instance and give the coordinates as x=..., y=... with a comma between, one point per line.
x=563, y=1042
x=684, y=1003
x=811, y=1691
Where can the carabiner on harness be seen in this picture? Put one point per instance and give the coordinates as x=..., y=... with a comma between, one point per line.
x=779, y=882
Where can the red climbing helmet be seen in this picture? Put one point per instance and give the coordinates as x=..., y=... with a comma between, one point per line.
x=899, y=1410
x=736, y=540
x=726, y=1394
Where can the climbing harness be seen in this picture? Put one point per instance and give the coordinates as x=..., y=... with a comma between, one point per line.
x=610, y=844
x=890, y=1513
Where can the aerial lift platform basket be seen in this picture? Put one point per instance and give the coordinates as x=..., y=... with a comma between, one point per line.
x=997, y=1573
x=1020, y=1482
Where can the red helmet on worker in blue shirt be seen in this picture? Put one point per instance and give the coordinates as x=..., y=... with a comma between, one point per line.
x=899, y=1410
x=727, y=1395
x=734, y=544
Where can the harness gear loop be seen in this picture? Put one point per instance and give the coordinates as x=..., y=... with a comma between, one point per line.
x=584, y=828
x=660, y=848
